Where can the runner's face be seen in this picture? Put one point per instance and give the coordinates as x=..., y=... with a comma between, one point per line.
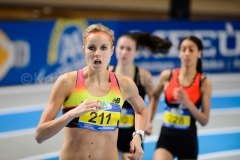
x=98, y=50
x=189, y=53
x=126, y=50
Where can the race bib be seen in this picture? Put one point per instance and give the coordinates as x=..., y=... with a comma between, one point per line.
x=176, y=118
x=105, y=120
x=127, y=118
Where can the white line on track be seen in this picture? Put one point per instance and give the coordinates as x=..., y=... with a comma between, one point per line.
x=207, y=156
x=216, y=131
x=43, y=156
x=203, y=132
x=22, y=109
x=21, y=89
x=17, y=133
x=215, y=94
x=213, y=112
x=39, y=107
x=221, y=154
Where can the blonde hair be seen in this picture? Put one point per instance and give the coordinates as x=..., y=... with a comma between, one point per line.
x=98, y=28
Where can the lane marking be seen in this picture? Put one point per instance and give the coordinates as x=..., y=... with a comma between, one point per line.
x=159, y=116
x=216, y=131
x=33, y=88
x=17, y=133
x=225, y=111
x=207, y=156
x=202, y=132
x=38, y=107
x=215, y=94
x=215, y=78
x=219, y=154
x=225, y=93
x=44, y=156
x=213, y=112
x=22, y=109
x=152, y=138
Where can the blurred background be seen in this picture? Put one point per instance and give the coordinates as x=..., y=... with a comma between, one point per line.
x=42, y=39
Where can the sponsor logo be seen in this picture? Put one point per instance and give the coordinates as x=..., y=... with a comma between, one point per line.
x=106, y=106
x=65, y=52
x=116, y=100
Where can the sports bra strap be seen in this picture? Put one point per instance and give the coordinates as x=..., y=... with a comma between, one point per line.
x=170, y=76
x=114, y=68
x=80, y=78
x=202, y=80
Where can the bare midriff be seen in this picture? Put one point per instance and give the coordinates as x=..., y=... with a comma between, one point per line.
x=83, y=144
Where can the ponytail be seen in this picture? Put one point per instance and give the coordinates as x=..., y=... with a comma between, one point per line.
x=151, y=42
x=199, y=65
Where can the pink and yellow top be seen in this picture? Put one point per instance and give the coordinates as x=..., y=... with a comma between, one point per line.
x=106, y=119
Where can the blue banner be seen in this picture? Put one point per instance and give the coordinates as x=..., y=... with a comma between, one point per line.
x=40, y=51
x=221, y=42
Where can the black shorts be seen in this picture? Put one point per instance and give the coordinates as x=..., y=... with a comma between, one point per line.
x=124, y=139
x=181, y=147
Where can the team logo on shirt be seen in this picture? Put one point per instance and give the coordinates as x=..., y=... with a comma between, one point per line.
x=116, y=100
x=106, y=106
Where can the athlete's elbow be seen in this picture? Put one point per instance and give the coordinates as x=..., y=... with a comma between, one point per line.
x=39, y=141
x=204, y=122
x=38, y=138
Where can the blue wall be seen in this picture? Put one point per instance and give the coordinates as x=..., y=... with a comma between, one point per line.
x=40, y=51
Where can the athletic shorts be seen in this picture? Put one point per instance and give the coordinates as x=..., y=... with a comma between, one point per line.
x=181, y=147
x=123, y=143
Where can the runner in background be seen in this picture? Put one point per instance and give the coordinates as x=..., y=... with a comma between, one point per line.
x=187, y=96
x=126, y=50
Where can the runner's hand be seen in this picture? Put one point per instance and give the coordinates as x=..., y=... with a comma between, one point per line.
x=136, y=148
x=148, y=129
x=180, y=95
x=86, y=106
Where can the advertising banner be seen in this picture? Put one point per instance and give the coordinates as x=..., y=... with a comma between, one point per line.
x=39, y=51
x=221, y=42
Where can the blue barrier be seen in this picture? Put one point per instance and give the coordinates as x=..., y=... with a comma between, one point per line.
x=40, y=51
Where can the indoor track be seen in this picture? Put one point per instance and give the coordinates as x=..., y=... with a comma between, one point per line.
x=21, y=108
